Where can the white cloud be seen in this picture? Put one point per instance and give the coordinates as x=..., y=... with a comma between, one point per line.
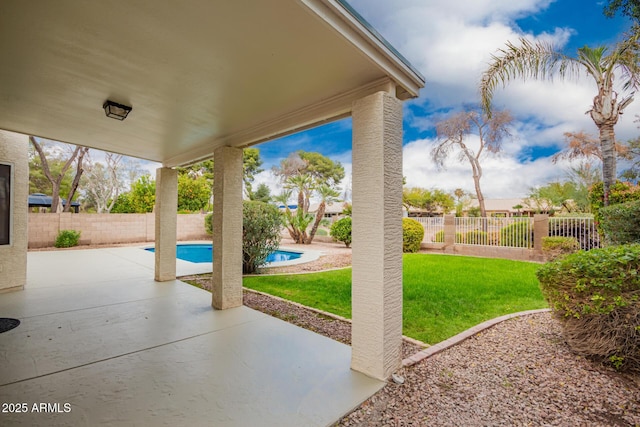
x=450, y=42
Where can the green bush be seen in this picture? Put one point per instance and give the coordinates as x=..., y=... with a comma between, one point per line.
x=208, y=223
x=476, y=237
x=519, y=234
x=341, y=230
x=596, y=296
x=619, y=192
x=67, y=239
x=412, y=235
x=439, y=237
x=621, y=223
x=557, y=246
x=261, y=224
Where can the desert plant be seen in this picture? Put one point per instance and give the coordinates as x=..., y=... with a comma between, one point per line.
x=208, y=223
x=261, y=224
x=519, y=234
x=67, y=239
x=556, y=246
x=341, y=230
x=412, y=235
x=596, y=296
x=621, y=223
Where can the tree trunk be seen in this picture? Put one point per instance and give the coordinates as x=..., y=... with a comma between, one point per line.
x=607, y=143
x=76, y=179
x=316, y=223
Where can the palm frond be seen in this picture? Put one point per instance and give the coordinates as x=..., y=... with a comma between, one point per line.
x=529, y=60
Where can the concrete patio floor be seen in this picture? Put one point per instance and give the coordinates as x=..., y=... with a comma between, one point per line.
x=100, y=335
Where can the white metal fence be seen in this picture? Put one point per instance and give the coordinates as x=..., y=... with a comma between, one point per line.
x=583, y=229
x=515, y=232
x=508, y=232
x=433, y=228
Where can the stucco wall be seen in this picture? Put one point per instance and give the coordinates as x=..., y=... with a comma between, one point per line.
x=100, y=229
x=13, y=257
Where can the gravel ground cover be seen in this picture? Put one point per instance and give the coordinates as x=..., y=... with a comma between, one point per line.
x=517, y=373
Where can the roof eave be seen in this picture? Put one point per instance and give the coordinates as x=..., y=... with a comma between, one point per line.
x=354, y=28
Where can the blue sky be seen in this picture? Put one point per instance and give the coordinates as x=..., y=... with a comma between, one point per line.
x=450, y=43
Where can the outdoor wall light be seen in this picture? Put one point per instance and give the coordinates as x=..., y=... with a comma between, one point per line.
x=115, y=110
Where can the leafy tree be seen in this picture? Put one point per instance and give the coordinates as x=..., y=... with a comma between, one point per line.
x=262, y=194
x=142, y=196
x=541, y=60
x=193, y=193
x=453, y=134
x=76, y=156
x=552, y=196
x=429, y=201
x=628, y=8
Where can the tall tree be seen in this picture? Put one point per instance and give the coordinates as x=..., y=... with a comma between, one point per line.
x=327, y=195
x=542, y=61
x=584, y=145
x=453, y=134
x=103, y=182
x=251, y=163
x=76, y=156
x=305, y=173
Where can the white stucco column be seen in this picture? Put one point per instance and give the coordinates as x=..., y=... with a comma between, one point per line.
x=14, y=148
x=376, y=336
x=226, y=280
x=166, y=210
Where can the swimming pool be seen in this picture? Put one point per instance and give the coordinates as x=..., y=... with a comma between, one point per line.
x=201, y=253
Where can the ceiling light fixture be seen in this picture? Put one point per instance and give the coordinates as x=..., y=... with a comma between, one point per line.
x=115, y=110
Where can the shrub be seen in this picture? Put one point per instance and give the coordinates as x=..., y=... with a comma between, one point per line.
x=621, y=223
x=261, y=223
x=519, y=234
x=67, y=239
x=557, y=246
x=476, y=237
x=439, y=237
x=596, y=296
x=341, y=230
x=412, y=235
x=208, y=223
x=619, y=192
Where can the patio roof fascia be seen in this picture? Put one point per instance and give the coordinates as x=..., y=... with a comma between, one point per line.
x=353, y=27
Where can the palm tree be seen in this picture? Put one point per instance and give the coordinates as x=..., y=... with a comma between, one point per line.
x=541, y=61
x=327, y=195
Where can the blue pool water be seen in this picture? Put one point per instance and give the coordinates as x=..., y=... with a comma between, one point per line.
x=203, y=253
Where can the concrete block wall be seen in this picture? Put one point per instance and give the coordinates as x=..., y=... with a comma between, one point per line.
x=102, y=229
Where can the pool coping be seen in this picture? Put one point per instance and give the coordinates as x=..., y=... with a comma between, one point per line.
x=205, y=267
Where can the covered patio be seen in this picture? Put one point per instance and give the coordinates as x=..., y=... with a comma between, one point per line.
x=202, y=79
x=99, y=334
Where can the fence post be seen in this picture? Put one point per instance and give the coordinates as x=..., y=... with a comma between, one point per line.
x=449, y=230
x=540, y=230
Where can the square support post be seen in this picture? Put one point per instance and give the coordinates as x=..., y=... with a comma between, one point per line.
x=166, y=211
x=376, y=337
x=226, y=280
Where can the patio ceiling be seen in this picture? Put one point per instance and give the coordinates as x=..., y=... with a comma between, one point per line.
x=198, y=73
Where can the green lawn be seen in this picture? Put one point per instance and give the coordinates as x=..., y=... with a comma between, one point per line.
x=443, y=295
